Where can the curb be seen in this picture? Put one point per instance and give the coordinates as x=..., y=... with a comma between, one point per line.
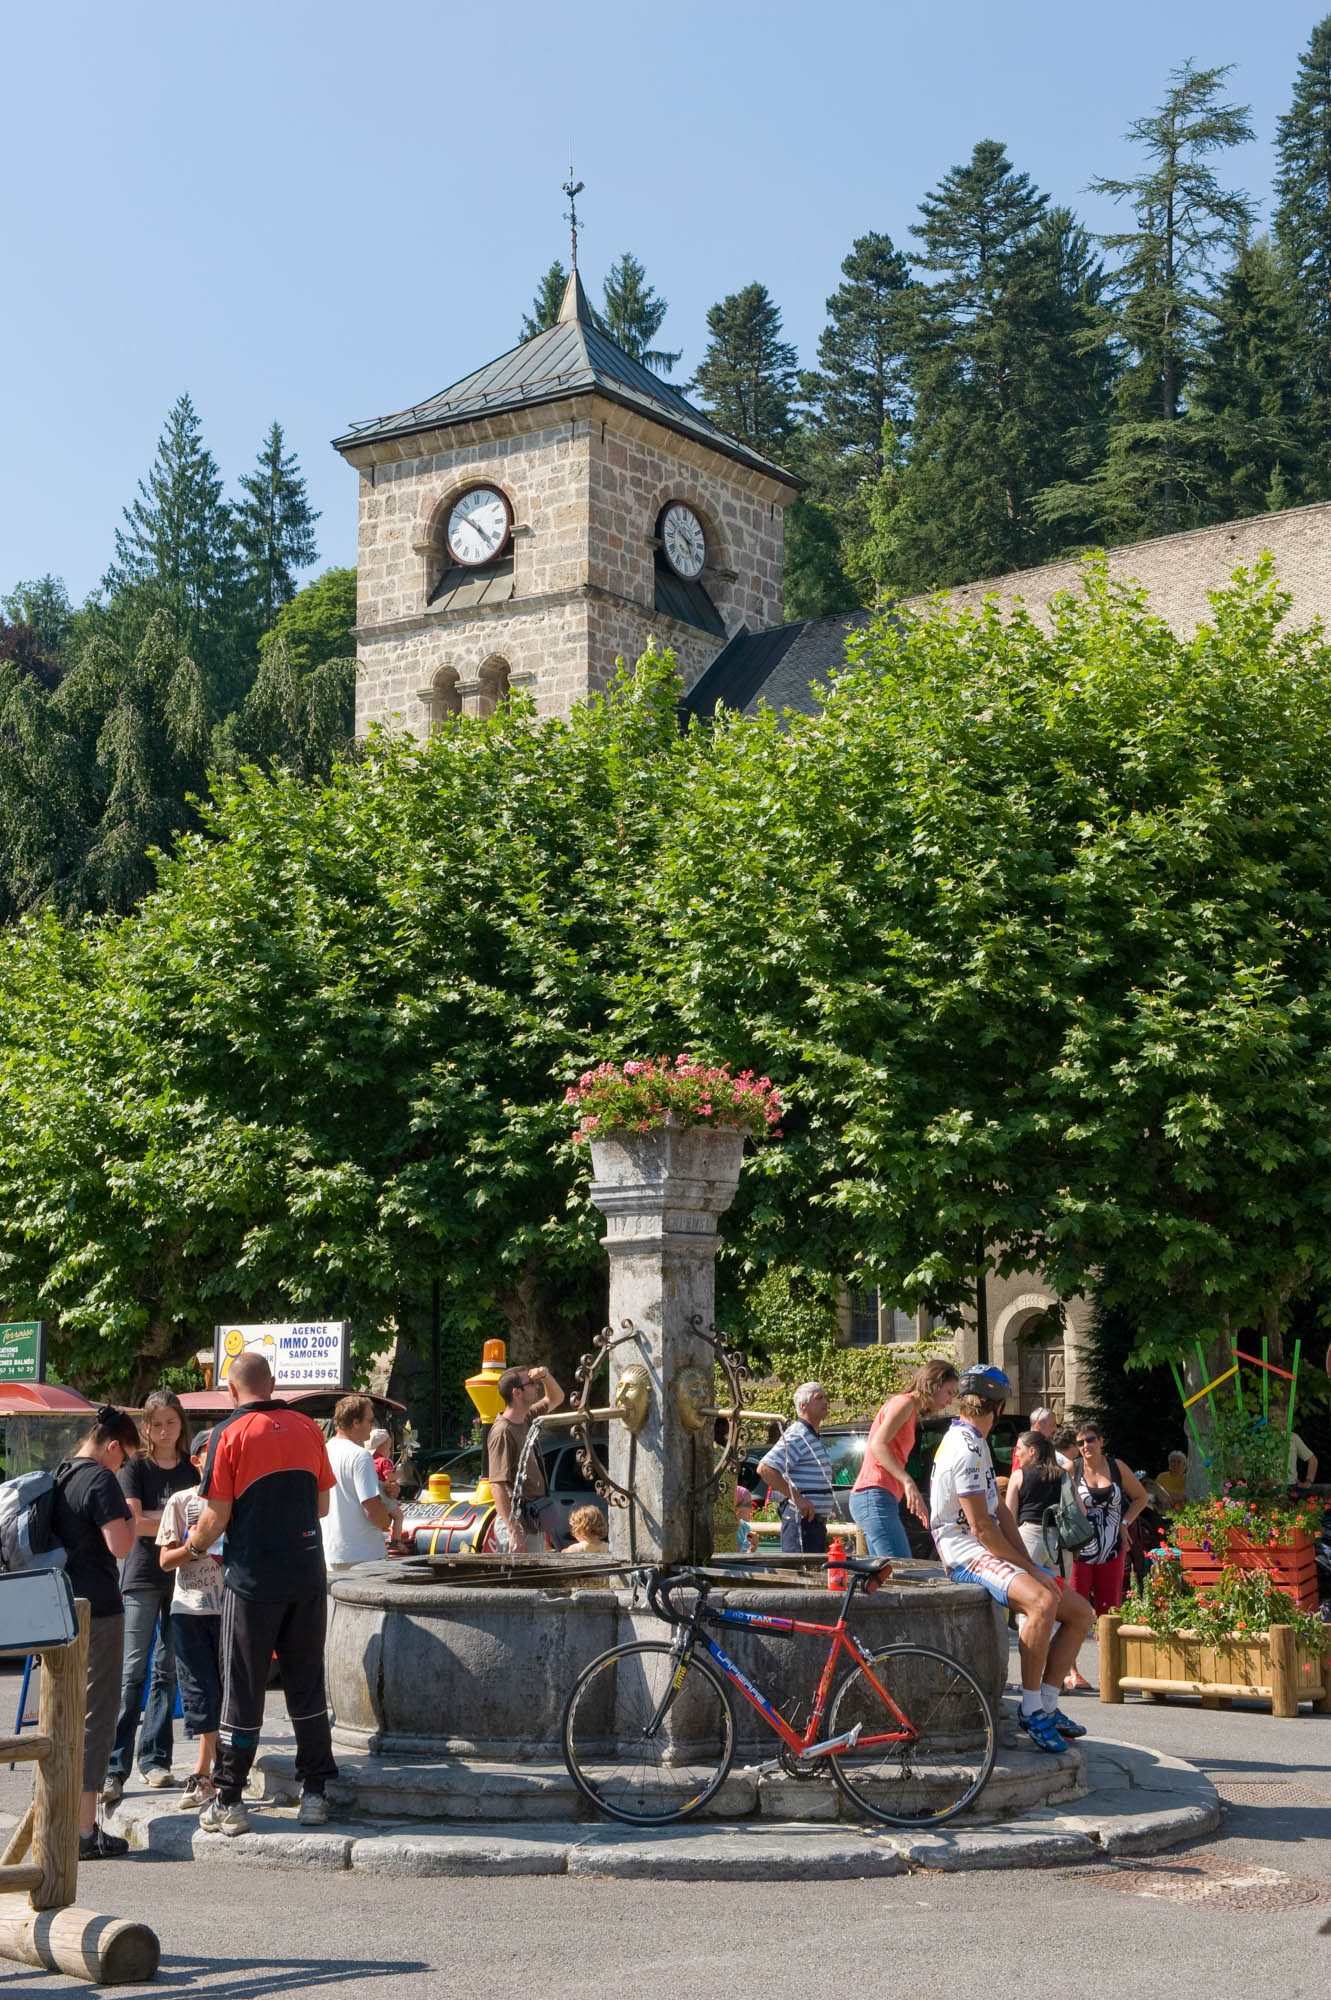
x=1139, y=1802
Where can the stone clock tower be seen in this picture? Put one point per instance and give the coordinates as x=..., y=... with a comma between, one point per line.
x=544, y=516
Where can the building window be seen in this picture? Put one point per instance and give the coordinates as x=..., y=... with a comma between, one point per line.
x=873, y=1324
x=864, y=1319
x=443, y=698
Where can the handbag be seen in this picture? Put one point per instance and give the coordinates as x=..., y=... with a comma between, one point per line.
x=1069, y=1525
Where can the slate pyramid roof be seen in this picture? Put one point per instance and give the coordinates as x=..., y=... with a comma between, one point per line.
x=571, y=358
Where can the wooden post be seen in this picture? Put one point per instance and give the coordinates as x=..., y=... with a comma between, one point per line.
x=1323, y=1703
x=1284, y=1677
x=111, y=1951
x=1111, y=1664
x=55, y=1823
x=43, y=1928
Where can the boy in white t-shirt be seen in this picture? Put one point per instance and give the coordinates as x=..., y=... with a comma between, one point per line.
x=196, y=1627
x=977, y=1542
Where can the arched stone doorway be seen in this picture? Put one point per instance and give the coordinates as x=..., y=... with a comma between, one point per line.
x=1029, y=1345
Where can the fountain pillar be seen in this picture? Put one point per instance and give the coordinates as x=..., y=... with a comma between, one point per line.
x=661, y=1192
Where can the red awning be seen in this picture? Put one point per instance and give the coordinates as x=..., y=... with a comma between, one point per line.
x=32, y=1398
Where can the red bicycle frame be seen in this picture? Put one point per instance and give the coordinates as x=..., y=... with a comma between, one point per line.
x=843, y=1641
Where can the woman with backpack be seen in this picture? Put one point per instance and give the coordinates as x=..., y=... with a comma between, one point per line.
x=90, y=1516
x=1112, y=1497
x=1033, y=1489
x=160, y=1469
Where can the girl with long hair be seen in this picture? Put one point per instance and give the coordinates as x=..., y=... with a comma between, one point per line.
x=883, y=1482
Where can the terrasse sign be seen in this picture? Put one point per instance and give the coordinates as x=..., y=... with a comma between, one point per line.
x=22, y=1350
x=307, y=1354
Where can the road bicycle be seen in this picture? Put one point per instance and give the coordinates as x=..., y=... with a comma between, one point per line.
x=649, y=1728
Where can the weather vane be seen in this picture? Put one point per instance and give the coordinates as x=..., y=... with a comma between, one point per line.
x=572, y=189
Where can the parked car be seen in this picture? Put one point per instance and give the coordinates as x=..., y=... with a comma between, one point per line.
x=564, y=1477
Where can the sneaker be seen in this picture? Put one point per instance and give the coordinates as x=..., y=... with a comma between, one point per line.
x=198, y=1790
x=113, y=1791
x=1065, y=1726
x=314, y=1810
x=1042, y=1730
x=99, y=1845
x=161, y=1777
x=217, y=1818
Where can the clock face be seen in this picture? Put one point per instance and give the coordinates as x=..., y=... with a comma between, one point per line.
x=478, y=526
x=683, y=541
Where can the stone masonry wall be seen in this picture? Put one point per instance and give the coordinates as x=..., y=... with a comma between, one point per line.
x=1179, y=570
x=586, y=482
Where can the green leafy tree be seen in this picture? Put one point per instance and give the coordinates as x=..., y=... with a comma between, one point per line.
x=1164, y=291
x=1302, y=223
x=633, y=312
x=1029, y=924
x=545, y=306
x=274, y=528
x=747, y=378
x=317, y=624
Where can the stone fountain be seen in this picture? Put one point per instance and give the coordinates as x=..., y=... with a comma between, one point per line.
x=426, y=1660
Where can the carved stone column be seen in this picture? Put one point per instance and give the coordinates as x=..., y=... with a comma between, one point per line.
x=661, y=1193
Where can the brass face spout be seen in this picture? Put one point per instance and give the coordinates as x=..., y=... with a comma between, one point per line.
x=633, y=1394
x=693, y=1397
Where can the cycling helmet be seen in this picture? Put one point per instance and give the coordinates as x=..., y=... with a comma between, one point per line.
x=991, y=1383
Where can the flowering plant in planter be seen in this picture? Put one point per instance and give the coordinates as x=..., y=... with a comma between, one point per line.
x=1238, y=1511
x=655, y=1091
x=1242, y=1604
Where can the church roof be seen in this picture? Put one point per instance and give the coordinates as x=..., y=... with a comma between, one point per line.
x=572, y=358
x=775, y=667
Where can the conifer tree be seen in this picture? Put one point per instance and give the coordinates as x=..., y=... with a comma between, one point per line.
x=545, y=306
x=1164, y=289
x=747, y=378
x=1249, y=407
x=43, y=605
x=633, y=313
x=1009, y=373
x=177, y=555
x=1303, y=234
x=274, y=525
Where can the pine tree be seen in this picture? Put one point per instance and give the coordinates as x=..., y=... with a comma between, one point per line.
x=274, y=527
x=633, y=313
x=545, y=306
x=1009, y=373
x=747, y=378
x=43, y=604
x=177, y=555
x=1248, y=406
x=1164, y=289
x=1303, y=234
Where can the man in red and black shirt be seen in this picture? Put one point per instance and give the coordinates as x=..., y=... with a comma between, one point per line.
x=266, y=1482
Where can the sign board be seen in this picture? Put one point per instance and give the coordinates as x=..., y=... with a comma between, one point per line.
x=311, y=1354
x=23, y=1350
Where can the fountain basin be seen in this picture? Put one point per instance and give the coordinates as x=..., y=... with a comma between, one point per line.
x=465, y=1669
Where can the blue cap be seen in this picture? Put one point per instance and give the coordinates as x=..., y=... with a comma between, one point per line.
x=991, y=1383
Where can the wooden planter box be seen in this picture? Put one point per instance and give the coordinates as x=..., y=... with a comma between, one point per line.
x=1292, y=1564
x=1270, y=1666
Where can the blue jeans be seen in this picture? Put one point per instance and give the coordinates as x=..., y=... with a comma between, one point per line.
x=878, y=1513
x=145, y=1612
x=808, y=1538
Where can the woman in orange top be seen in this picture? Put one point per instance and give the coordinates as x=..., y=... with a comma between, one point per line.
x=875, y=1501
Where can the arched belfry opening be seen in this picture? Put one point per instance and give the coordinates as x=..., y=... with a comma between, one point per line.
x=493, y=686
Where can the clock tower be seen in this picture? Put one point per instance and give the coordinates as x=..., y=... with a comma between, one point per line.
x=548, y=514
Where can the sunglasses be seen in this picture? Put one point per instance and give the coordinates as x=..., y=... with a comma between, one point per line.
x=1091, y=1437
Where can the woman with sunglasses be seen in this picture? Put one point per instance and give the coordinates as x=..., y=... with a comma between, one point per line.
x=1112, y=1497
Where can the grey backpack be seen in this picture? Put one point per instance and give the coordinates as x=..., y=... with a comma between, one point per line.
x=27, y=1535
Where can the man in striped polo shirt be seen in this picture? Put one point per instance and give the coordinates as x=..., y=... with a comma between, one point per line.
x=797, y=1467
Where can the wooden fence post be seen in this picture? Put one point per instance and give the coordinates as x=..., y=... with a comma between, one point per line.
x=1284, y=1675
x=59, y=1780
x=1111, y=1665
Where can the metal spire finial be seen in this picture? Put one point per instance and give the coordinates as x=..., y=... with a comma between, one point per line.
x=572, y=189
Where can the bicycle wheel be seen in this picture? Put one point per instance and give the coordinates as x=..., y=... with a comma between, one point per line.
x=944, y=1752
x=641, y=1748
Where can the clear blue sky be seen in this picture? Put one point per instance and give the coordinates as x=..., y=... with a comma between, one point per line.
x=321, y=210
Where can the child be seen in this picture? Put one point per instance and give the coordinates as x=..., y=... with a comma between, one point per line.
x=587, y=1526
x=380, y=1441
x=745, y=1539
x=196, y=1627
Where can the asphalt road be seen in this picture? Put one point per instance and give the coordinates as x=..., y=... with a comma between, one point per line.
x=1249, y=1913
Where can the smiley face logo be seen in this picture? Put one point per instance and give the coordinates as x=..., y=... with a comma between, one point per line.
x=233, y=1345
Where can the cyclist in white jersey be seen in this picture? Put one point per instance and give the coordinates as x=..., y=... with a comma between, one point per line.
x=977, y=1542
